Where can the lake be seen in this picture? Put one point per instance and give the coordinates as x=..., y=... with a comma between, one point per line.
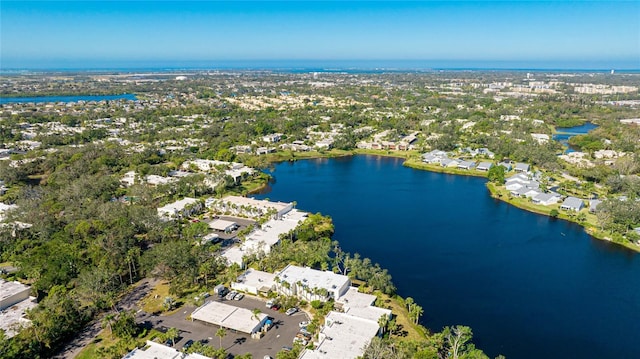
x=529, y=286
x=567, y=132
x=56, y=99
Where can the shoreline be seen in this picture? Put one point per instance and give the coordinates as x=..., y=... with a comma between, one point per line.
x=418, y=165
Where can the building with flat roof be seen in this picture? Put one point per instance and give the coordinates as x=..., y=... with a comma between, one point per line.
x=311, y=284
x=153, y=350
x=342, y=336
x=223, y=225
x=182, y=208
x=230, y=317
x=14, y=303
x=250, y=207
x=361, y=305
x=254, y=281
x=262, y=239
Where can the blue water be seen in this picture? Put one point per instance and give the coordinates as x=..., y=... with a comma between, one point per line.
x=568, y=132
x=55, y=99
x=528, y=285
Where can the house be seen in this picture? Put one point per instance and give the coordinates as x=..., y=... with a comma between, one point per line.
x=272, y=138
x=506, y=165
x=311, y=284
x=522, y=167
x=447, y=162
x=484, y=166
x=466, y=165
x=572, y=204
x=593, y=205
x=546, y=199
x=221, y=225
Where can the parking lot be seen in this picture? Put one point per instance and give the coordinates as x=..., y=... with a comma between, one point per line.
x=281, y=334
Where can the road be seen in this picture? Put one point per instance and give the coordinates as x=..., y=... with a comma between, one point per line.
x=91, y=330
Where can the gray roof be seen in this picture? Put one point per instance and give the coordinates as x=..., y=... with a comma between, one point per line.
x=485, y=165
x=522, y=166
x=544, y=197
x=572, y=202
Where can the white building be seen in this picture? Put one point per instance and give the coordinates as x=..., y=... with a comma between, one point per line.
x=230, y=317
x=254, y=281
x=249, y=207
x=311, y=284
x=260, y=241
x=182, y=208
x=343, y=336
x=14, y=303
x=153, y=350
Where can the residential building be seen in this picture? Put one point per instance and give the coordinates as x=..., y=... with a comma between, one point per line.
x=311, y=284
x=546, y=199
x=179, y=209
x=14, y=303
x=254, y=281
x=484, y=166
x=572, y=204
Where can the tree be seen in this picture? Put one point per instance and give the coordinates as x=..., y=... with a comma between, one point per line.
x=383, y=321
x=255, y=313
x=457, y=339
x=172, y=334
x=496, y=174
x=221, y=333
x=107, y=322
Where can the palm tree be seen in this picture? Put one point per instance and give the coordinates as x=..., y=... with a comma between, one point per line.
x=172, y=334
x=221, y=333
x=255, y=313
x=107, y=321
x=382, y=322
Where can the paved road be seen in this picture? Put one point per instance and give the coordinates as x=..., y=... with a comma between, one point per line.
x=128, y=302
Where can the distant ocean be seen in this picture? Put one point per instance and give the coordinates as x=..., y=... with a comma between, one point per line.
x=349, y=66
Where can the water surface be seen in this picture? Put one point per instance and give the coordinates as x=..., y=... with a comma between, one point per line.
x=528, y=285
x=565, y=133
x=65, y=99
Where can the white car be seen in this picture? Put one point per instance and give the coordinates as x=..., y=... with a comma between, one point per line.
x=304, y=324
x=291, y=311
x=238, y=296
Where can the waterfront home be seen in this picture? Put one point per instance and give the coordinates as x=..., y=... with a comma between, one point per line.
x=506, y=165
x=546, y=199
x=593, y=205
x=572, y=204
x=311, y=284
x=466, y=165
x=522, y=167
x=526, y=192
x=448, y=162
x=272, y=138
x=484, y=166
x=434, y=157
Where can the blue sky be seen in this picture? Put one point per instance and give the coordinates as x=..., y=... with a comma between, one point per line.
x=578, y=33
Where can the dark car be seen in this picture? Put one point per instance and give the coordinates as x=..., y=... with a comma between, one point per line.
x=188, y=344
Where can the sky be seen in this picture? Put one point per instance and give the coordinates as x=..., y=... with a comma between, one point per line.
x=556, y=34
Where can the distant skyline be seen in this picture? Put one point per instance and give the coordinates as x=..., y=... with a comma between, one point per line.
x=439, y=34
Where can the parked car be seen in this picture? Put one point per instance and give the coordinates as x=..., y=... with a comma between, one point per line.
x=305, y=331
x=187, y=344
x=231, y=295
x=275, y=307
x=304, y=324
x=291, y=311
x=238, y=296
x=270, y=303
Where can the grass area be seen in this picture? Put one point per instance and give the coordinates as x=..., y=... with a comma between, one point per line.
x=105, y=345
x=418, y=164
x=153, y=302
x=398, y=308
x=294, y=156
